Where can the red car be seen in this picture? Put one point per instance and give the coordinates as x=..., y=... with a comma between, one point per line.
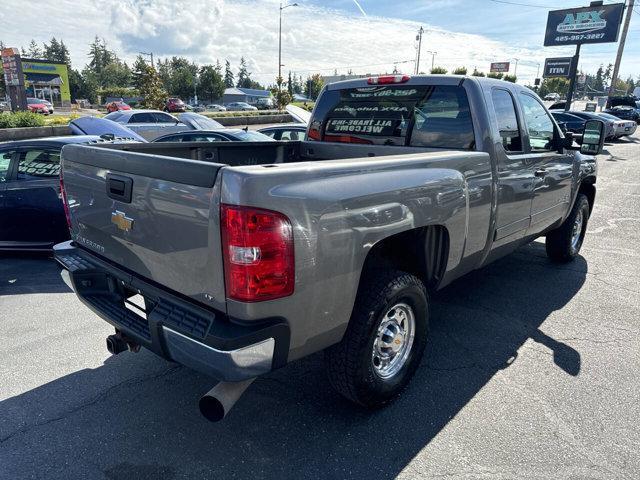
x=117, y=105
x=174, y=105
x=36, y=106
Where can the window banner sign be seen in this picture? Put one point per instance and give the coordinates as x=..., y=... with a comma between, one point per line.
x=573, y=26
x=557, y=67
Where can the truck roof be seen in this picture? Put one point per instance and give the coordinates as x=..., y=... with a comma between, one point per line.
x=418, y=80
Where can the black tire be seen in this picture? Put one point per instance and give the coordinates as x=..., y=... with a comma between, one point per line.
x=559, y=245
x=350, y=363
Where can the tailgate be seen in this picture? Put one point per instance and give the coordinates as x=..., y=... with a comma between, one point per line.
x=155, y=216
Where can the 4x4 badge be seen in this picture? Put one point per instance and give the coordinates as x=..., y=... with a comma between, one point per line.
x=121, y=221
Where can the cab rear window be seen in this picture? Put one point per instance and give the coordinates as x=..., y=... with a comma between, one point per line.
x=425, y=115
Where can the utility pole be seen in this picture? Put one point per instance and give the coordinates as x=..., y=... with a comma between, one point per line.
x=280, y=46
x=515, y=70
x=148, y=54
x=419, y=39
x=623, y=38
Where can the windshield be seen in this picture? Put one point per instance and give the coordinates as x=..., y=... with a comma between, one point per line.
x=435, y=116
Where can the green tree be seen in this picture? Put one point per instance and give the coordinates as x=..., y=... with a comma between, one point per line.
x=510, y=78
x=314, y=86
x=496, y=75
x=598, y=83
x=34, y=50
x=460, y=71
x=244, y=76
x=290, y=85
x=228, y=75
x=211, y=84
x=477, y=73
x=439, y=70
x=151, y=89
x=56, y=51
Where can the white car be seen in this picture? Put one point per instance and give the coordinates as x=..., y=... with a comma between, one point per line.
x=552, y=97
x=214, y=107
x=621, y=128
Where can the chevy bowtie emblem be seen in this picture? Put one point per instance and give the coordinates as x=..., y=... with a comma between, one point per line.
x=121, y=221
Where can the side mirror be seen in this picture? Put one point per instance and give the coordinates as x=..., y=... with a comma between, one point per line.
x=593, y=137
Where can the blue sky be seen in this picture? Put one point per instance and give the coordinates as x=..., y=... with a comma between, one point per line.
x=318, y=36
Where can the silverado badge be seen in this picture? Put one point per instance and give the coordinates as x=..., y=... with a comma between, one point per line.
x=121, y=221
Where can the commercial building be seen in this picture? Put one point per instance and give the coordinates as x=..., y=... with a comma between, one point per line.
x=48, y=80
x=248, y=95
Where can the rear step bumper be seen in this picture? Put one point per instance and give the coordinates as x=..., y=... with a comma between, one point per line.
x=174, y=328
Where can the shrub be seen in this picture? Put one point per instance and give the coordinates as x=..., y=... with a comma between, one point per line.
x=496, y=75
x=21, y=119
x=510, y=78
x=439, y=70
x=460, y=71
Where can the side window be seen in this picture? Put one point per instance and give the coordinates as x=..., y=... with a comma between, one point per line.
x=35, y=164
x=5, y=162
x=161, y=118
x=507, y=120
x=141, y=118
x=443, y=119
x=290, y=135
x=173, y=138
x=269, y=133
x=539, y=124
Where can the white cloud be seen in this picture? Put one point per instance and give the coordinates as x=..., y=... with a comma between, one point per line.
x=314, y=38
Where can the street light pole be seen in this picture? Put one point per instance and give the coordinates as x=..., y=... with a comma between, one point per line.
x=515, y=70
x=419, y=38
x=433, y=58
x=280, y=45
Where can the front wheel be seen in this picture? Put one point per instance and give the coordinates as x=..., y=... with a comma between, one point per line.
x=563, y=244
x=385, y=339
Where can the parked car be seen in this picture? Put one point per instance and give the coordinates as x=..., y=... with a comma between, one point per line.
x=116, y=106
x=624, y=112
x=214, y=107
x=265, y=103
x=104, y=128
x=609, y=125
x=31, y=211
x=627, y=100
x=224, y=135
x=286, y=131
x=552, y=97
x=47, y=104
x=175, y=105
x=240, y=106
x=195, y=121
x=149, y=124
x=621, y=128
x=250, y=258
x=37, y=106
x=570, y=122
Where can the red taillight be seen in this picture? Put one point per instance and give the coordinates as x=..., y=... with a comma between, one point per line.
x=346, y=139
x=65, y=205
x=387, y=79
x=258, y=256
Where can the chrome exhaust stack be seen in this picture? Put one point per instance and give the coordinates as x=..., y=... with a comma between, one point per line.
x=217, y=402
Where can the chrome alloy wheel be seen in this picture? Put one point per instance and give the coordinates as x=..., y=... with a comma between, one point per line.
x=394, y=340
x=576, y=232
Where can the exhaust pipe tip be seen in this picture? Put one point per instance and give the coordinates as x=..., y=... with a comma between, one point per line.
x=211, y=408
x=217, y=402
x=116, y=345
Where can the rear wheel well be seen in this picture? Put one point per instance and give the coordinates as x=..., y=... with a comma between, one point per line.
x=422, y=252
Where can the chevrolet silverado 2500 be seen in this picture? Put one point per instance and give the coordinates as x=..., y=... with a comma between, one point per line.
x=234, y=259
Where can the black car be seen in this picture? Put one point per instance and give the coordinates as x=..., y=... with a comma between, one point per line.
x=31, y=212
x=286, y=132
x=624, y=112
x=222, y=135
x=570, y=122
x=627, y=100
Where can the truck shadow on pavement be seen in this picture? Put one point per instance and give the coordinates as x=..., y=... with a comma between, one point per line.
x=22, y=273
x=136, y=416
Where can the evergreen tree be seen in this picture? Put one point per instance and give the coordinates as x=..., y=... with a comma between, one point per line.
x=244, y=79
x=211, y=84
x=598, y=83
x=34, y=50
x=154, y=95
x=228, y=75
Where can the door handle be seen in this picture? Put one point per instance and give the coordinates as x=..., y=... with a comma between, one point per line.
x=540, y=173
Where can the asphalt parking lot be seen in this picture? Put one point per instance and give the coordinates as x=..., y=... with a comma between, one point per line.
x=531, y=372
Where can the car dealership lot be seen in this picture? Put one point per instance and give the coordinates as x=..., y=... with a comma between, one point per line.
x=531, y=372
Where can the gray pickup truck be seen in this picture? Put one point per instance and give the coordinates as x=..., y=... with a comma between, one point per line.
x=234, y=259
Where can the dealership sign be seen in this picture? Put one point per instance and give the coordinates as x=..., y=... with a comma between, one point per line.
x=595, y=24
x=557, y=67
x=499, y=67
